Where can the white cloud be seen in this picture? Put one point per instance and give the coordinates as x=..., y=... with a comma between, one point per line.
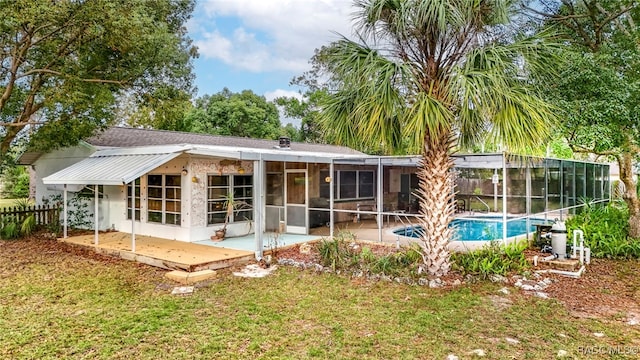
x=273, y=34
x=270, y=95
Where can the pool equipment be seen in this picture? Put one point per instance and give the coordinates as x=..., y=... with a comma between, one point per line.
x=559, y=240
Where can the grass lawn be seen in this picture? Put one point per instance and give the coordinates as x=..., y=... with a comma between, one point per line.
x=61, y=302
x=8, y=202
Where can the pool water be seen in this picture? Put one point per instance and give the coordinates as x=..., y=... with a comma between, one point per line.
x=483, y=228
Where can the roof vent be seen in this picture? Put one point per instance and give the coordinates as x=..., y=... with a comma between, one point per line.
x=284, y=142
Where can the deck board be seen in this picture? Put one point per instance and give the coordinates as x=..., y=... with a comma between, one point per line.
x=168, y=254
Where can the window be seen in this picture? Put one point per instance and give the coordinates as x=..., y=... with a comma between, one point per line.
x=137, y=200
x=218, y=188
x=349, y=184
x=164, y=199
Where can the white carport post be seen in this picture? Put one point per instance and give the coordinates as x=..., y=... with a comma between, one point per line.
x=258, y=180
x=96, y=218
x=331, y=215
x=133, y=216
x=504, y=198
x=64, y=212
x=380, y=202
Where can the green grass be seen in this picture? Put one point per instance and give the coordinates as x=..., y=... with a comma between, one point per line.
x=8, y=203
x=57, y=304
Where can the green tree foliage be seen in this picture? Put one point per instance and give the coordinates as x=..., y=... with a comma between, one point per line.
x=238, y=114
x=15, y=180
x=428, y=76
x=598, y=92
x=164, y=109
x=63, y=63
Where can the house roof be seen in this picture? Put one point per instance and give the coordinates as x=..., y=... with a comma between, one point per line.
x=126, y=137
x=130, y=137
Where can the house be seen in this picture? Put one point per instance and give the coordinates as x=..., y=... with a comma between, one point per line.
x=173, y=185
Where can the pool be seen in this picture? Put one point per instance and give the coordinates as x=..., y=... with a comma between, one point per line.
x=481, y=228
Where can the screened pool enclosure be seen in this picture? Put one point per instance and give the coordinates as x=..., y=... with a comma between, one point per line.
x=503, y=186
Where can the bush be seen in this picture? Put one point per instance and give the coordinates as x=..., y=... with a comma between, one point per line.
x=492, y=259
x=606, y=230
x=9, y=228
x=338, y=253
x=343, y=253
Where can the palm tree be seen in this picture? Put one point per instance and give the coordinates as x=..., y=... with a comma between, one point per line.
x=434, y=76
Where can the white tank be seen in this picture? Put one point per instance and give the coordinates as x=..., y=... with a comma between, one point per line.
x=559, y=240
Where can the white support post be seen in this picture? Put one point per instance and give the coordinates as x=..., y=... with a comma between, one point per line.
x=133, y=216
x=380, y=202
x=96, y=217
x=259, y=184
x=64, y=212
x=331, y=195
x=504, y=198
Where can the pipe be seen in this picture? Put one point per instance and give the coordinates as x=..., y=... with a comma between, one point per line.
x=575, y=274
x=581, y=247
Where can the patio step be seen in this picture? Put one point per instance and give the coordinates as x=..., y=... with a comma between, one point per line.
x=189, y=278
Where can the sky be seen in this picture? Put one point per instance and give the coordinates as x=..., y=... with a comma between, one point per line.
x=261, y=45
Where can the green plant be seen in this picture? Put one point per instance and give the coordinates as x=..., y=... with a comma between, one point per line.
x=77, y=211
x=339, y=252
x=492, y=259
x=9, y=228
x=28, y=225
x=606, y=229
x=16, y=182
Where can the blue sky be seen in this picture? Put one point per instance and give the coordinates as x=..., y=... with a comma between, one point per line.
x=261, y=44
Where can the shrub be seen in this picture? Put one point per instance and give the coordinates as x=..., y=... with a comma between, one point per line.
x=338, y=253
x=606, y=230
x=492, y=259
x=9, y=228
x=343, y=253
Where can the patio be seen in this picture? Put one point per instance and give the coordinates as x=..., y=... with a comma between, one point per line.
x=180, y=255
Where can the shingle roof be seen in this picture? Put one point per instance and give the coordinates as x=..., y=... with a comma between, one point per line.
x=129, y=137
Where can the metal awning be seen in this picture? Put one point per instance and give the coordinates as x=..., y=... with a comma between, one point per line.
x=109, y=170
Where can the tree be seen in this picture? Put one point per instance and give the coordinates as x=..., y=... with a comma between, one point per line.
x=164, y=109
x=64, y=63
x=598, y=92
x=431, y=76
x=239, y=114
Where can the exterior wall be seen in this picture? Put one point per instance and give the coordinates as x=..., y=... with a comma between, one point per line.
x=142, y=227
x=200, y=168
x=55, y=161
x=193, y=201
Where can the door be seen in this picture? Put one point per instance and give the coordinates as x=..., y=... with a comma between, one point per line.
x=296, y=202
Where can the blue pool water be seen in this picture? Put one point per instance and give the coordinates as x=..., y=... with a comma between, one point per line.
x=483, y=228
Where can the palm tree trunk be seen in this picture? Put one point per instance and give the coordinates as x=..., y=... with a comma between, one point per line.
x=436, y=185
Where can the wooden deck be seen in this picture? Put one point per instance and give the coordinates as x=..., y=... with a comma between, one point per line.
x=167, y=254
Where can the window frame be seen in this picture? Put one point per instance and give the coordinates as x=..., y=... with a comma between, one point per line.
x=338, y=179
x=165, y=200
x=138, y=199
x=239, y=195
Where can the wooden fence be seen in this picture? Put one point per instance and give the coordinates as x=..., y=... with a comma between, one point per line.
x=44, y=214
